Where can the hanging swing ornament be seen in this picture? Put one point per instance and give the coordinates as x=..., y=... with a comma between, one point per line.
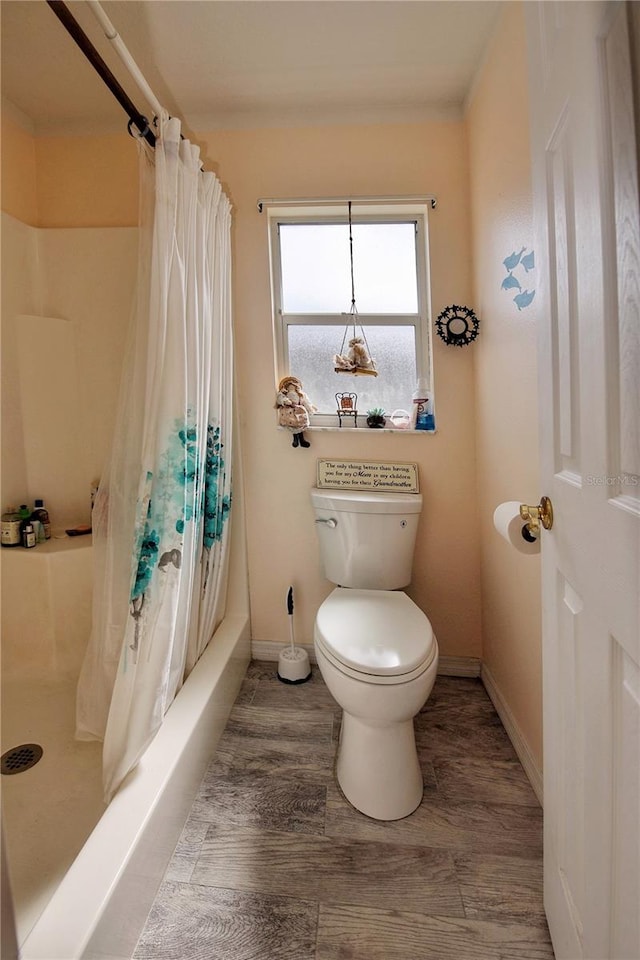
x=357, y=360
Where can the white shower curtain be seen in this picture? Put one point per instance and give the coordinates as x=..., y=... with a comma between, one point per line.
x=160, y=517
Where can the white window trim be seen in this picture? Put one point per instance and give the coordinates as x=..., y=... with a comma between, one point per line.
x=415, y=212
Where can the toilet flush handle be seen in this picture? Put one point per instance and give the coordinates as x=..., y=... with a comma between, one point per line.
x=330, y=522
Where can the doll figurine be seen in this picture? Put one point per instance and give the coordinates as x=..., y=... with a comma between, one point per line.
x=294, y=407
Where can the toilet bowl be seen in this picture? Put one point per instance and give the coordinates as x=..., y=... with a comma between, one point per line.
x=379, y=658
x=374, y=646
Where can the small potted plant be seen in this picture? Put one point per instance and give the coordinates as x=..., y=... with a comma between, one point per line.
x=375, y=418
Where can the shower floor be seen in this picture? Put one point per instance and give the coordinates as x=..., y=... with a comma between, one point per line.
x=49, y=810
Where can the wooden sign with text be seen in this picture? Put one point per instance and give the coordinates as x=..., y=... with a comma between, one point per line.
x=380, y=476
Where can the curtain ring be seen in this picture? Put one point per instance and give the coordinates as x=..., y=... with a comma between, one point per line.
x=138, y=134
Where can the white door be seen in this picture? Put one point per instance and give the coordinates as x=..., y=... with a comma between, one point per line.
x=585, y=168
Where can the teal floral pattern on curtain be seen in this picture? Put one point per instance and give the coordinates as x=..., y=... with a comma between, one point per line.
x=186, y=489
x=216, y=507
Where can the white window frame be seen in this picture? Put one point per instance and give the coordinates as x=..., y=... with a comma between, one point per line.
x=397, y=212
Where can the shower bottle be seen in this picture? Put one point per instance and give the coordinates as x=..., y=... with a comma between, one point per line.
x=42, y=514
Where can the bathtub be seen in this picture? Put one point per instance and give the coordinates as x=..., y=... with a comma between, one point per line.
x=100, y=905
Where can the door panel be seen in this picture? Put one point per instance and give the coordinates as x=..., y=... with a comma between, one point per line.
x=625, y=747
x=622, y=176
x=562, y=280
x=585, y=173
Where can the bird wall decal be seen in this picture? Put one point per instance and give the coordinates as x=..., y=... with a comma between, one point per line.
x=524, y=299
x=528, y=261
x=512, y=261
x=519, y=265
x=511, y=282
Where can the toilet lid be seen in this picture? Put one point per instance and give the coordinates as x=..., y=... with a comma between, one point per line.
x=376, y=632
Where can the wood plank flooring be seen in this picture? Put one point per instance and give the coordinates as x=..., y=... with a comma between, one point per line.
x=274, y=864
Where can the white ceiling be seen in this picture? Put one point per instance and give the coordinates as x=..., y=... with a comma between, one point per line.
x=249, y=62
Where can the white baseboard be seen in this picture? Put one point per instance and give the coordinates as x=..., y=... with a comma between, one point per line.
x=514, y=733
x=448, y=666
x=459, y=666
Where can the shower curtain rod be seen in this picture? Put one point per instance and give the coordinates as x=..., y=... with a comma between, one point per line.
x=122, y=50
x=72, y=27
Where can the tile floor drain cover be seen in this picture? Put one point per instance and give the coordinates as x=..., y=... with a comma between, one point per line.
x=20, y=758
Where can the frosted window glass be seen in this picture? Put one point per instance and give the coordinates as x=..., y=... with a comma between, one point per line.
x=311, y=350
x=316, y=274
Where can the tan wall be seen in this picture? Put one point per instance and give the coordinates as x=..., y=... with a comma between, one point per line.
x=339, y=161
x=85, y=181
x=68, y=181
x=505, y=370
x=18, y=185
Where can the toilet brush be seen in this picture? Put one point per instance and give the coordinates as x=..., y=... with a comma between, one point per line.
x=293, y=663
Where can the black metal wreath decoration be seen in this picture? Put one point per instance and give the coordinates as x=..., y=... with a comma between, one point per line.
x=457, y=326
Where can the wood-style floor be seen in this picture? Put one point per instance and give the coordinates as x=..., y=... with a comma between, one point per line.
x=274, y=864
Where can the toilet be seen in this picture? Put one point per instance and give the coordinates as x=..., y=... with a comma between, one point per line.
x=375, y=648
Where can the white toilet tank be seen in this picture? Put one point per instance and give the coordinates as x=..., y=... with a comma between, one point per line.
x=366, y=539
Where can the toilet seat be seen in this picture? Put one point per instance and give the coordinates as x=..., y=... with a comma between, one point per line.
x=378, y=636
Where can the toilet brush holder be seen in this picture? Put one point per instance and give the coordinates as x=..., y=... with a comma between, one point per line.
x=293, y=665
x=293, y=662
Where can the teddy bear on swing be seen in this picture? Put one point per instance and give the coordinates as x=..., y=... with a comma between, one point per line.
x=356, y=358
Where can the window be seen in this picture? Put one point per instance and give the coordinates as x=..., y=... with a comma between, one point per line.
x=311, y=282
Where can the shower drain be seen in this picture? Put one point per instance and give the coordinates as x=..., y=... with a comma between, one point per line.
x=20, y=758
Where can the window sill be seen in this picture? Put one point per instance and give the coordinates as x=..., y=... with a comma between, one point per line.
x=368, y=430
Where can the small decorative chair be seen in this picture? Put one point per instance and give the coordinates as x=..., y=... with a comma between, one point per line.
x=347, y=406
